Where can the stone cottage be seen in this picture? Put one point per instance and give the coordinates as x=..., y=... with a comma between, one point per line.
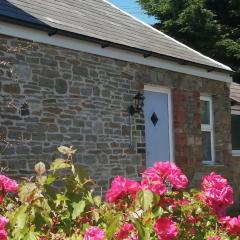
x=86, y=74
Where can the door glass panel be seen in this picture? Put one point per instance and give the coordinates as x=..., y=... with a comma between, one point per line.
x=236, y=132
x=205, y=112
x=206, y=141
x=154, y=119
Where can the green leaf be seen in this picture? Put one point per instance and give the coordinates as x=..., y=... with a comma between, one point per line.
x=31, y=236
x=21, y=217
x=59, y=163
x=198, y=210
x=67, y=225
x=78, y=208
x=27, y=192
x=97, y=200
x=42, y=179
x=158, y=212
x=113, y=226
x=51, y=178
x=147, y=234
x=61, y=198
x=75, y=237
x=96, y=216
x=40, y=220
x=140, y=229
x=145, y=198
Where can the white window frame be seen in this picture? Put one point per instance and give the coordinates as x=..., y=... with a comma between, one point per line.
x=235, y=152
x=209, y=127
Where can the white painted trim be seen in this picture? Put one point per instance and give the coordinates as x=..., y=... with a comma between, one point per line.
x=171, y=140
x=235, y=112
x=154, y=88
x=160, y=89
x=235, y=152
x=209, y=128
x=234, y=98
x=115, y=53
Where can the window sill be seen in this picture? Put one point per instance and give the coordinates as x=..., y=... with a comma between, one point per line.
x=236, y=153
x=212, y=164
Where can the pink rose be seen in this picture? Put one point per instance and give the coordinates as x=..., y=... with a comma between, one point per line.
x=3, y=232
x=162, y=176
x=183, y=202
x=7, y=185
x=164, y=168
x=177, y=179
x=212, y=180
x=231, y=224
x=217, y=193
x=94, y=233
x=214, y=238
x=3, y=222
x=132, y=186
x=127, y=232
x=165, y=228
x=120, y=188
x=152, y=181
x=192, y=220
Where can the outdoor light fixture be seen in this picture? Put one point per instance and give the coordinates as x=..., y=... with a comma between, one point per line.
x=138, y=104
x=136, y=108
x=24, y=110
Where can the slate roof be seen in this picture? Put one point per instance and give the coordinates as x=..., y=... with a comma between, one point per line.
x=98, y=20
x=235, y=92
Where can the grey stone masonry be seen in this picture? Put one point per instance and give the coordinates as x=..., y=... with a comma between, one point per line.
x=51, y=96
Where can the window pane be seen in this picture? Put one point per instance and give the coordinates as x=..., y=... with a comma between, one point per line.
x=207, y=150
x=236, y=132
x=205, y=112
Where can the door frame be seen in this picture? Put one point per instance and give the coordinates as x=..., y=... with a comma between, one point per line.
x=161, y=89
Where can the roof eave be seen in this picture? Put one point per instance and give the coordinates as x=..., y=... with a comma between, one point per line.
x=51, y=31
x=235, y=101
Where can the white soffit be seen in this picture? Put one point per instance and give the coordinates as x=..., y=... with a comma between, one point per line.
x=116, y=53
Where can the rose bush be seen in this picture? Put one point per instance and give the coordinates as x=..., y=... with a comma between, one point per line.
x=59, y=203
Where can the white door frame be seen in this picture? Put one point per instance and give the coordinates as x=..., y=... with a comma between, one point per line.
x=152, y=88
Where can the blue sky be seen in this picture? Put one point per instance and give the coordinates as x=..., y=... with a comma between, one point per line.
x=133, y=8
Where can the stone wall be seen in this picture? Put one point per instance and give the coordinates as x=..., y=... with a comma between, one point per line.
x=234, y=173
x=81, y=99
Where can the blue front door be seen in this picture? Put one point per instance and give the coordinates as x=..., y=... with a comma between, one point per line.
x=157, y=127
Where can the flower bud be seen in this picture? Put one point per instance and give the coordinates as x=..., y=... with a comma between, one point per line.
x=40, y=168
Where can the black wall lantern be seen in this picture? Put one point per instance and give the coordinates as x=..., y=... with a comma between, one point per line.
x=138, y=104
x=24, y=110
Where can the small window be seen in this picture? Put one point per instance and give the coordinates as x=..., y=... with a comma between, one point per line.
x=236, y=133
x=207, y=129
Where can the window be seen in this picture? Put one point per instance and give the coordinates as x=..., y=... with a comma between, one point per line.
x=207, y=129
x=236, y=133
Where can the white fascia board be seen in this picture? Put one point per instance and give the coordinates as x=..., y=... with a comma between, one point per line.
x=111, y=52
x=235, y=109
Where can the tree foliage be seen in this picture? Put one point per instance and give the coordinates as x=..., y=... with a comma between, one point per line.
x=209, y=26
